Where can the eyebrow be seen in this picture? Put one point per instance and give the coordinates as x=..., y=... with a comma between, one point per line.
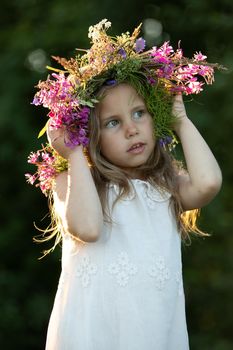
x=103, y=120
x=113, y=116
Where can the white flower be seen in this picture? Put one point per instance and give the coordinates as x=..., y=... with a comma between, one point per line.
x=94, y=31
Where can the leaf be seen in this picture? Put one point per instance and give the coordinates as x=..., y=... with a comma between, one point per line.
x=43, y=130
x=55, y=69
x=86, y=103
x=89, y=104
x=94, y=100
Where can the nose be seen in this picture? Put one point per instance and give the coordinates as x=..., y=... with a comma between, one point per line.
x=131, y=129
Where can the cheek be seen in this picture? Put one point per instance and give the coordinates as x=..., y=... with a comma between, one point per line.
x=105, y=143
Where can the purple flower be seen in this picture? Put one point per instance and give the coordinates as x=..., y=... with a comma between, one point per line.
x=77, y=128
x=164, y=141
x=110, y=82
x=122, y=52
x=36, y=101
x=151, y=80
x=160, y=59
x=140, y=45
x=59, y=95
x=168, y=70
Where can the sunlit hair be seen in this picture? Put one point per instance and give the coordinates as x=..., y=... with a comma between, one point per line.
x=53, y=231
x=161, y=170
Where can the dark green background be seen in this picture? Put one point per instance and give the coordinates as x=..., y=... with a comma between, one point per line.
x=27, y=285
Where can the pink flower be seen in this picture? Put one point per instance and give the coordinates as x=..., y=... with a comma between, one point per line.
x=47, y=158
x=206, y=71
x=30, y=178
x=177, y=88
x=183, y=73
x=59, y=96
x=178, y=54
x=199, y=57
x=45, y=161
x=162, y=54
x=193, y=68
x=166, y=49
x=194, y=87
x=33, y=157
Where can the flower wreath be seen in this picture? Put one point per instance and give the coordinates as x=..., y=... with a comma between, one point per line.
x=69, y=94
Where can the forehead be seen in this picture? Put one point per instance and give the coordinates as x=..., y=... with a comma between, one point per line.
x=121, y=94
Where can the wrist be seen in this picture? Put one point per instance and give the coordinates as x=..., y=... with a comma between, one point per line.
x=181, y=123
x=75, y=153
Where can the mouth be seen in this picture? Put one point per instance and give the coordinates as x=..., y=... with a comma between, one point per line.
x=137, y=148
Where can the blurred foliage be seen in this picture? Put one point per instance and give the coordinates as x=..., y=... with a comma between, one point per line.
x=32, y=31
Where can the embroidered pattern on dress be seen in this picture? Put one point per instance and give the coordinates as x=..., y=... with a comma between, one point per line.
x=122, y=269
x=126, y=198
x=85, y=269
x=152, y=194
x=150, y=202
x=160, y=272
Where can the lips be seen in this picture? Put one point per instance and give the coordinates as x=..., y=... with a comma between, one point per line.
x=137, y=147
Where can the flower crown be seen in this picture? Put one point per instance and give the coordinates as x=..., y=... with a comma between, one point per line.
x=70, y=93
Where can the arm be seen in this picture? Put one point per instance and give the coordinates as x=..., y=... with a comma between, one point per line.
x=203, y=180
x=75, y=195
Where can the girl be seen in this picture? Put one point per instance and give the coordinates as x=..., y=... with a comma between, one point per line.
x=121, y=282
x=122, y=210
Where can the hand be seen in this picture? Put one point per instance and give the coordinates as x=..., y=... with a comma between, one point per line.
x=56, y=139
x=178, y=110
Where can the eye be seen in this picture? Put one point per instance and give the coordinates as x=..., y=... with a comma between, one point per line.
x=111, y=123
x=138, y=114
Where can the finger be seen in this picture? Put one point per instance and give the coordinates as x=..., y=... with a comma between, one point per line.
x=52, y=131
x=178, y=97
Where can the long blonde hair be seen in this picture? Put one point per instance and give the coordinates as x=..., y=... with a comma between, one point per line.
x=161, y=169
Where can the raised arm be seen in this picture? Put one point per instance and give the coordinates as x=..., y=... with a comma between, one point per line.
x=75, y=195
x=203, y=180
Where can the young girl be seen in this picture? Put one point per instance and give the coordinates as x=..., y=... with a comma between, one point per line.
x=123, y=206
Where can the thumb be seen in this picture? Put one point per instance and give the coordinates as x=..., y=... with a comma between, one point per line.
x=53, y=134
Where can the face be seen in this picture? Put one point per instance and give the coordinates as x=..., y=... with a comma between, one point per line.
x=126, y=128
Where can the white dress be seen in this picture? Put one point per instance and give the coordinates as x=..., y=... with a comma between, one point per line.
x=125, y=291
